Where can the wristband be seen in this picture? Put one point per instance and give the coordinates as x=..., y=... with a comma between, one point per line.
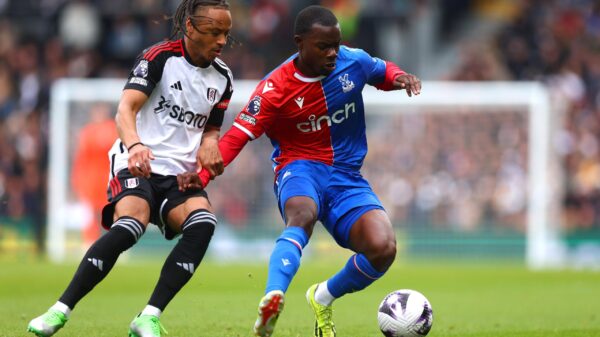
x=134, y=144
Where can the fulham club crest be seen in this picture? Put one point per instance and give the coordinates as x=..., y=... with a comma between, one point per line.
x=132, y=182
x=211, y=95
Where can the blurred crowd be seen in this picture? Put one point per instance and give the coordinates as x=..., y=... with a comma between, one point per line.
x=462, y=172
x=45, y=40
x=436, y=175
x=557, y=43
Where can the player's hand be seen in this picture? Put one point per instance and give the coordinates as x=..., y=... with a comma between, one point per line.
x=410, y=82
x=189, y=181
x=209, y=157
x=139, y=161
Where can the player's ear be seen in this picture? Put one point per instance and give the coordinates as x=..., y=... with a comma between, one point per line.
x=298, y=41
x=189, y=26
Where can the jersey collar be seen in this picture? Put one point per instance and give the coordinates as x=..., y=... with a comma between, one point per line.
x=187, y=56
x=303, y=78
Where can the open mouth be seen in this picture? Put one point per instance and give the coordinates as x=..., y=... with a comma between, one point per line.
x=330, y=66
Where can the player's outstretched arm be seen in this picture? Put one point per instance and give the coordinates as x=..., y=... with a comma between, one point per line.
x=139, y=155
x=409, y=82
x=208, y=156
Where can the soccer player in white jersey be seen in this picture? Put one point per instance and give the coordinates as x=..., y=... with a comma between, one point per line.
x=168, y=120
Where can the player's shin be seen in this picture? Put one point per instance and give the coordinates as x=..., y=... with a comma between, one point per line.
x=285, y=258
x=101, y=257
x=357, y=274
x=185, y=257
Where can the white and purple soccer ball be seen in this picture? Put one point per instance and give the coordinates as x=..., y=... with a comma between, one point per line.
x=405, y=313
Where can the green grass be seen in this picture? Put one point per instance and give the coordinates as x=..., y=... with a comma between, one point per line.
x=483, y=300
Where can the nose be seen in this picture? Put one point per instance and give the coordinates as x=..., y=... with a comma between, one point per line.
x=222, y=40
x=332, y=53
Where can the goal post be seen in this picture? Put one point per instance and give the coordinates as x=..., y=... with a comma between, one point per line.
x=542, y=237
x=541, y=232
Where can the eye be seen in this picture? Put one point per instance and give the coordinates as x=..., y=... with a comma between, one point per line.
x=217, y=33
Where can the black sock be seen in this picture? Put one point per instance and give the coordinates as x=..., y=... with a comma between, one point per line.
x=100, y=258
x=185, y=257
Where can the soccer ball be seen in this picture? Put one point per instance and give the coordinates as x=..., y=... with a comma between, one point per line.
x=405, y=313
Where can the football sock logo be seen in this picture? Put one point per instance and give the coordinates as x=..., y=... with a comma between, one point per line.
x=187, y=266
x=96, y=262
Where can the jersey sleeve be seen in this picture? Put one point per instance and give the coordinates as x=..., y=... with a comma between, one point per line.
x=373, y=67
x=258, y=115
x=145, y=74
x=379, y=73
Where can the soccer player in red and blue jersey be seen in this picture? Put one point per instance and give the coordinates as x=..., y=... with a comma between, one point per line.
x=311, y=107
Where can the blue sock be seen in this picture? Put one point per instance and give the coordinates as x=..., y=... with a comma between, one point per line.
x=357, y=274
x=285, y=258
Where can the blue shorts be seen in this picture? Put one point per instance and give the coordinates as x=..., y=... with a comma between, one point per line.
x=341, y=196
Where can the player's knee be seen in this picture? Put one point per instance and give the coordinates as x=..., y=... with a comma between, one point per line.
x=133, y=206
x=196, y=203
x=389, y=252
x=302, y=217
x=382, y=253
x=300, y=211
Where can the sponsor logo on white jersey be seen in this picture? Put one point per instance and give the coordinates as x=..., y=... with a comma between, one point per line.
x=316, y=124
x=163, y=105
x=180, y=113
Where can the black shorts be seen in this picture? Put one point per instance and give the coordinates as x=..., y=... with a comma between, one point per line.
x=161, y=192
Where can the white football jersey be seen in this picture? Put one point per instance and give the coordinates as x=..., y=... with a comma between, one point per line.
x=182, y=100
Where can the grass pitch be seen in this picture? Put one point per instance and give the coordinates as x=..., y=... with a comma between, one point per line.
x=484, y=300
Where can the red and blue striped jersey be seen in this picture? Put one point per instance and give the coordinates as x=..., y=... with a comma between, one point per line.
x=320, y=119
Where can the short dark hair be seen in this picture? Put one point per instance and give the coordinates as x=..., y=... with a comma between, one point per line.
x=313, y=15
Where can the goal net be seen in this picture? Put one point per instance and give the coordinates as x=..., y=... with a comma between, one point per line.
x=464, y=170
